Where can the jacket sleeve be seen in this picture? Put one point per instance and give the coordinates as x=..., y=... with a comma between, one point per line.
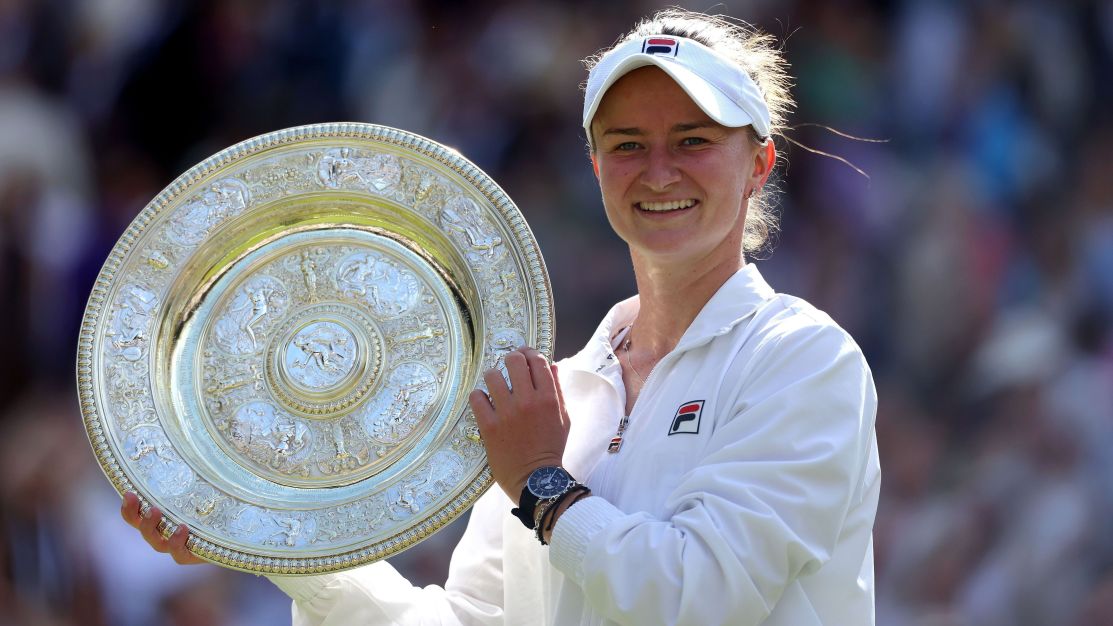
x=764, y=507
x=378, y=594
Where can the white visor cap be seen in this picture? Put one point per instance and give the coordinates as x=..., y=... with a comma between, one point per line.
x=724, y=91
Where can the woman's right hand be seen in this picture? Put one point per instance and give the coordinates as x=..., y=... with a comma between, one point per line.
x=147, y=524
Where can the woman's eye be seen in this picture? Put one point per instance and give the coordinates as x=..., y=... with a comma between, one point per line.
x=692, y=141
x=626, y=145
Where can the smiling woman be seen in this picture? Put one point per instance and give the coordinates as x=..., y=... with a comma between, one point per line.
x=709, y=456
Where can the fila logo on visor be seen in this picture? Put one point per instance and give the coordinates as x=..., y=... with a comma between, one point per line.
x=660, y=45
x=687, y=418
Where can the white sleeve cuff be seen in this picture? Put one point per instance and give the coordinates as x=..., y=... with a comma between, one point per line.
x=574, y=531
x=302, y=588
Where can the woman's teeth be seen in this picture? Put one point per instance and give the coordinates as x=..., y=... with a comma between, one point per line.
x=666, y=206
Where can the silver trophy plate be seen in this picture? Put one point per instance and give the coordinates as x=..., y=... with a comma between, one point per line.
x=278, y=351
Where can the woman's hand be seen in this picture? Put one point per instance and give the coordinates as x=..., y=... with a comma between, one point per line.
x=524, y=426
x=147, y=524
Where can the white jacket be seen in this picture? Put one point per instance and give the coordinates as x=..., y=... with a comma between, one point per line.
x=754, y=505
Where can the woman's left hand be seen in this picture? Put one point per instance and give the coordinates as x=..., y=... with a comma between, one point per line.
x=524, y=426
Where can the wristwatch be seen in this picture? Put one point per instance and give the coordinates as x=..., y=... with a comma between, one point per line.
x=544, y=483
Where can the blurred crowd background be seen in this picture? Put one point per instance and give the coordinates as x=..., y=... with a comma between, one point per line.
x=974, y=265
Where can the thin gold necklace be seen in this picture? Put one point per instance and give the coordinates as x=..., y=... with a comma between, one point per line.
x=630, y=359
x=616, y=442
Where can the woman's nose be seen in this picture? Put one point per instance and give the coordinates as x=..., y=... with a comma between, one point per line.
x=660, y=170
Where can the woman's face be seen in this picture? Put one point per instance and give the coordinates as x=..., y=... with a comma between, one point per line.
x=674, y=181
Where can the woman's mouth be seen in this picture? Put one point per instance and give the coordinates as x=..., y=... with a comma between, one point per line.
x=664, y=207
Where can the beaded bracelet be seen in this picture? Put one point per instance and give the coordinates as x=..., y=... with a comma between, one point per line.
x=546, y=521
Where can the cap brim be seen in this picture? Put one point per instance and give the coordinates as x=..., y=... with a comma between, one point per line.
x=707, y=97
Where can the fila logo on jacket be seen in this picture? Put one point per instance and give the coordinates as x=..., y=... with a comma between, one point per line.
x=686, y=420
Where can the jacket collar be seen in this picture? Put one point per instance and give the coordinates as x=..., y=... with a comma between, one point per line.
x=738, y=298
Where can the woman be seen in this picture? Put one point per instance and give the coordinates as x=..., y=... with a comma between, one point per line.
x=723, y=433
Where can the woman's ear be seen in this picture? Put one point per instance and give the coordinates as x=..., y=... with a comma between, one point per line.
x=764, y=159
x=595, y=165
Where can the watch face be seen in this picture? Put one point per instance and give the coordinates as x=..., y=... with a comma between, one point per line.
x=547, y=482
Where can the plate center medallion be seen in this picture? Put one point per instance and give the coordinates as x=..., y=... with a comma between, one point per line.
x=320, y=356
x=324, y=359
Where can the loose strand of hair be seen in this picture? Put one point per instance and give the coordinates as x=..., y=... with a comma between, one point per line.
x=836, y=157
x=836, y=132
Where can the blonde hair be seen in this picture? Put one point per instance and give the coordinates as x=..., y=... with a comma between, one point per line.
x=755, y=52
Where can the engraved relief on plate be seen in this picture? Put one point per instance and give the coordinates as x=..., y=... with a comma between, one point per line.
x=324, y=364
x=198, y=217
x=150, y=451
x=339, y=168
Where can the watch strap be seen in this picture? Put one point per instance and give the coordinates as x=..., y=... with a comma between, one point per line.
x=526, y=504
